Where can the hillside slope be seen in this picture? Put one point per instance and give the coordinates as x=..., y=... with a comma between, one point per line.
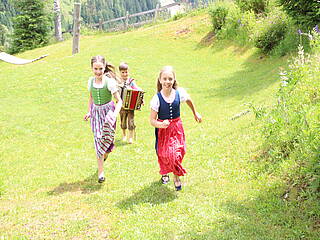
x=48, y=179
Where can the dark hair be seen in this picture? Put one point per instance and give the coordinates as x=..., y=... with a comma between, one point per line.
x=123, y=66
x=164, y=69
x=109, y=68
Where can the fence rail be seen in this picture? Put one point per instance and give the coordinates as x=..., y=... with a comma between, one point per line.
x=128, y=16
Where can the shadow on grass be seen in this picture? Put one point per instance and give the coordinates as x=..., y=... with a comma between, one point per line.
x=257, y=72
x=154, y=194
x=264, y=217
x=88, y=185
x=120, y=143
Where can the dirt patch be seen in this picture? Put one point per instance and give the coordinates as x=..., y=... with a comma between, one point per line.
x=183, y=31
x=207, y=40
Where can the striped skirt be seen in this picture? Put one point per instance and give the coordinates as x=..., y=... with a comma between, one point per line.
x=171, y=148
x=103, y=131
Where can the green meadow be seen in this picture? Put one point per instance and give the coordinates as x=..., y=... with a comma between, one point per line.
x=48, y=170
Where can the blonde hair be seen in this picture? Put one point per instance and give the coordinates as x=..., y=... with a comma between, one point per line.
x=167, y=69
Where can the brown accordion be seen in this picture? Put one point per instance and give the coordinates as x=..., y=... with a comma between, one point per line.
x=132, y=99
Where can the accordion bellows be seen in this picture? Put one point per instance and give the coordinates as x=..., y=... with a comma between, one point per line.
x=132, y=99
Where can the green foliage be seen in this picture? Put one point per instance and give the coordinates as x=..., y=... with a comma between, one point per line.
x=218, y=15
x=272, y=32
x=3, y=34
x=305, y=12
x=257, y=6
x=93, y=10
x=292, y=129
x=7, y=11
x=238, y=26
x=31, y=25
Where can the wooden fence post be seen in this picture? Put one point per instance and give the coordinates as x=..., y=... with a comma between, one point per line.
x=100, y=24
x=76, y=28
x=126, y=24
x=156, y=12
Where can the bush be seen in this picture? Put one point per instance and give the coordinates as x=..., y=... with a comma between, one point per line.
x=257, y=6
x=291, y=127
x=238, y=26
x=218, y=15
x=272, y=31
x=304, y=12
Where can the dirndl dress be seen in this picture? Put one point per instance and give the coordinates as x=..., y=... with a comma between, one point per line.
x=170, y=142
x=103, y=130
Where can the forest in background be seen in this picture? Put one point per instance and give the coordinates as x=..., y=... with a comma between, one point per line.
x=91, y=10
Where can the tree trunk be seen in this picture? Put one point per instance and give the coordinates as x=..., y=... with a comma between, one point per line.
x=57, y=20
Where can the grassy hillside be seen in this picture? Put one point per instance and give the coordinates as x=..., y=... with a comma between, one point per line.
x=48, y=177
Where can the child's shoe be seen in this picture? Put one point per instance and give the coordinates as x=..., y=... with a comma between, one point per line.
x=130, y=141
x=101, y=179
x=124, y=138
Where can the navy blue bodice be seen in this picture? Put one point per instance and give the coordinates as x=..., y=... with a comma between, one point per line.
x=169, y=110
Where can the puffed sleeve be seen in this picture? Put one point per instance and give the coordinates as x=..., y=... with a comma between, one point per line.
x=184, y=96
x=89, y=84
x=154, y=103
x=112, y=85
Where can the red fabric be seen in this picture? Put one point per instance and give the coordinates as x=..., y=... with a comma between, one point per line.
x=171, y=148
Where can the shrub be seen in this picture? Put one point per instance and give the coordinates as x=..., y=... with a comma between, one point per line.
x=305, y=12
x=218, y=15
x=272, y=31
x=238, y=26
x=257, y=6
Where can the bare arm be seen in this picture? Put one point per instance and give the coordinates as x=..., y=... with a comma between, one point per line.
x=157, y=124
x=196, y=115
x=116, y=95
x=87, y=116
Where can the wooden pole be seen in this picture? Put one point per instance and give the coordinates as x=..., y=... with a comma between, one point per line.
x=76, y=28
x=126, y=26
x=156, y=12
x=100, y=24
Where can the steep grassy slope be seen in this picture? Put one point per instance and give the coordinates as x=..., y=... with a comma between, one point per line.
x=48, y=168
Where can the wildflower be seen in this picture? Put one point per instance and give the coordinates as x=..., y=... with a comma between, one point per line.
x=299, y=31
x=316, y=28
x=284, y=83
x=283, y=73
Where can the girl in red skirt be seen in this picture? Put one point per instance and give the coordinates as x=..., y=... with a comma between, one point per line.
x=101, y=109
x=165, y=117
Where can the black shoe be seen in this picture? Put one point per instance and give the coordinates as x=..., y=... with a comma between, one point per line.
x=101, y=179
x=165, y=179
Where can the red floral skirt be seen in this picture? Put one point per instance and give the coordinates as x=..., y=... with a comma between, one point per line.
x=171, y=148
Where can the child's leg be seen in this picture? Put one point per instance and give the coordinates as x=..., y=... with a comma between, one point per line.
x=124, y=135
x=103, y=158
x=100, y=169
x=131, y=126
x=177, y=182
x=123, y=118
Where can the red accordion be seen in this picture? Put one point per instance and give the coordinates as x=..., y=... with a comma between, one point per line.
x=132, y=99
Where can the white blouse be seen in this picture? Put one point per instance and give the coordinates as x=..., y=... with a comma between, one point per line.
x=155, y=102
x=111, y=84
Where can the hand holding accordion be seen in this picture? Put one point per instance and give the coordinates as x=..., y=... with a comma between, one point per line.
x=132, y=99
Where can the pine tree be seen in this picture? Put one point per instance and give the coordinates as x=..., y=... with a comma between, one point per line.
x=31, y=25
